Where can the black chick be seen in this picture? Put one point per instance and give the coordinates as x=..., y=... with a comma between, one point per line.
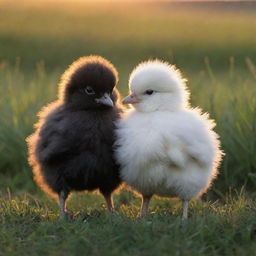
x=72, y=146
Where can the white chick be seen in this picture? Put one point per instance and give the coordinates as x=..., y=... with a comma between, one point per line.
x=165, y=147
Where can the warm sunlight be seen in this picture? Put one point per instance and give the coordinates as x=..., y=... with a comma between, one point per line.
x=127, y=128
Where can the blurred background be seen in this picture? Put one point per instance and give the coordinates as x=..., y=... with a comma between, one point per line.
x=213, y=43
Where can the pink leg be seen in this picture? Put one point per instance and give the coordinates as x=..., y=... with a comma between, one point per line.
x=185, y=210
x=62, y=202
x=144, y=205
x=109, y=201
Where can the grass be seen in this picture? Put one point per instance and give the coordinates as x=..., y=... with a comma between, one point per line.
x=30, y=226
x=58, y=33
x=229, y=98
x=214, y=46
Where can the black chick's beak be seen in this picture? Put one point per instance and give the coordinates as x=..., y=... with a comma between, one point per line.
x=105, y=100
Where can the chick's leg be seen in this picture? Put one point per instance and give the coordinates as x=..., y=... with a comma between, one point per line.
x=109, y=201
x=185, y=210
x=62, y=200
x=144, y=205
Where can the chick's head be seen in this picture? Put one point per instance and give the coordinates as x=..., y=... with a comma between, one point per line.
x=89, y=84
x=157, y=86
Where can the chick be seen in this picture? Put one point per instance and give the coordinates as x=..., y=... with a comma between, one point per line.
x=165, y=147
x=72, y=146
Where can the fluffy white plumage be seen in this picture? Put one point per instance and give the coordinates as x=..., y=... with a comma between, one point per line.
x=164, y=147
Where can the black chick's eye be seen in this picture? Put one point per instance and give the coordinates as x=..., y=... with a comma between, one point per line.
x=149, y=92
x=88, y=90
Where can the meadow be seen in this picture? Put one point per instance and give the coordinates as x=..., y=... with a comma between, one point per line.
x=214, y=46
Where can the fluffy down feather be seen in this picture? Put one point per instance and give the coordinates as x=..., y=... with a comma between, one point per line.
x=164, y=147
x=72, y=146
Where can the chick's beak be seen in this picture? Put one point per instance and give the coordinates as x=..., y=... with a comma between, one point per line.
x=105, y=100
x=131, y=99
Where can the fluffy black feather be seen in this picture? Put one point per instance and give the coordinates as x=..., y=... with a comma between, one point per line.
x=72, y=146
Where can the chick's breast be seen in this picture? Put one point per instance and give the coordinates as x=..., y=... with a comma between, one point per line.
x=74, y=149
x=140, y=151
x=167, y=153
x=92, y=160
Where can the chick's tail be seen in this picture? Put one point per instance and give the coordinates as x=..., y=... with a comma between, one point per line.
x=40, y=181
x=36, y=167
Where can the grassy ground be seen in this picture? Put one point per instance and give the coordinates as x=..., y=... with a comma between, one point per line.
x=213, y=45
x=30, y=226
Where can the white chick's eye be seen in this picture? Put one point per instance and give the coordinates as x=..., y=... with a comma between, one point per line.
x=88, y=90
x=149, y=92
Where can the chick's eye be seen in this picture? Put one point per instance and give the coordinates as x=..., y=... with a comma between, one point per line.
x=149, y=92
x=89, y=90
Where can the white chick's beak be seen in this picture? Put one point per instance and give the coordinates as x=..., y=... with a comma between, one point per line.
x=105, y=100
x=131, y=99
